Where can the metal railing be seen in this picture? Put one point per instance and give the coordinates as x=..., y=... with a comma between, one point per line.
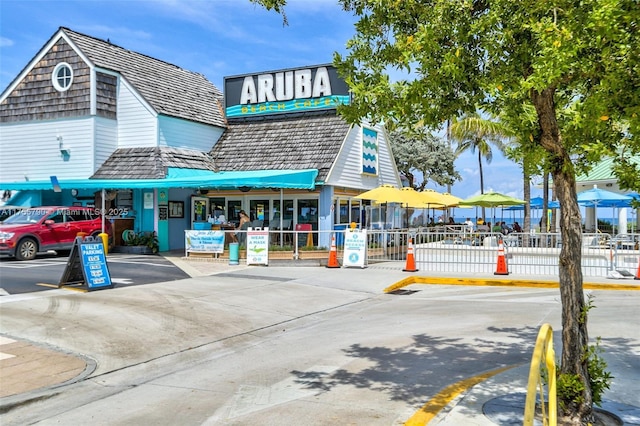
x=455, y=249
x=543, y=369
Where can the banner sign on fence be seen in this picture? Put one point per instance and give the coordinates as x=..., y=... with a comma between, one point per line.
x=355, y=247
x=258, y=246
x=204, y=241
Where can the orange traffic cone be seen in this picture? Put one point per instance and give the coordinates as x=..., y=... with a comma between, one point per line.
x=637, y=277
x=501, y=268
x=333, y=254
x=411, y=261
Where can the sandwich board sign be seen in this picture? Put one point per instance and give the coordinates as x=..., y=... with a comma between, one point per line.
x=258, y=246
x=86, y=266
x=355, y=248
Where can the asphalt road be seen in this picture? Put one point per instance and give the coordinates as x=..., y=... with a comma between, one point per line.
x=45, y=272
x=291, y=346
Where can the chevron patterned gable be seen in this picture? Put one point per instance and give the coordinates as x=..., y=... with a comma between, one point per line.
x=369, y=151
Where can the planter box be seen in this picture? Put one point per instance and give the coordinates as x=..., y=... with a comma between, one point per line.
x=313, y=254
x=281, y=255
x=242, y=254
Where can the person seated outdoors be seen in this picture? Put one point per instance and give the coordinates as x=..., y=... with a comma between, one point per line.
x=497, y=228
x=469, y=226
x=452, y=222
x=516, y=227
x=505, y=229
x=483, y=226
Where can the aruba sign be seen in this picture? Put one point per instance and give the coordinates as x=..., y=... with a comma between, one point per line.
x=284, y=91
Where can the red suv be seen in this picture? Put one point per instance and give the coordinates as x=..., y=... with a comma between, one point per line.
x=39, y=229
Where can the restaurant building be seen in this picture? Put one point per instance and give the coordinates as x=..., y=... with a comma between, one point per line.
x=86, y=118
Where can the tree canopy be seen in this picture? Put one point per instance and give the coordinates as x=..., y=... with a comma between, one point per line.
x=422, y=157
x=575, y=65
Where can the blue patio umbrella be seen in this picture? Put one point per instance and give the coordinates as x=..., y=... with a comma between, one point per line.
x=534, y=203
x=597, y=197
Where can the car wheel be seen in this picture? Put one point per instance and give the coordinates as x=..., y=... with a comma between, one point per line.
x=27, y=249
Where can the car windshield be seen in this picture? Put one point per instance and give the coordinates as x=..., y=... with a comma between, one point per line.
x=26, y=216
x=7, y=211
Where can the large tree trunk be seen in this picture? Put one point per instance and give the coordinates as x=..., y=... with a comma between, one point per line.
x=526, y=177
x=545, y=203
x=484, y=213
x=575, y=338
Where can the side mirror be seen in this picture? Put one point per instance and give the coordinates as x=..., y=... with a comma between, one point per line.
x=49, y=222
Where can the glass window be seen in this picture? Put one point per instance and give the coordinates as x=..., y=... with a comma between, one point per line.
x=308, y=213
x=233, y=211
x=288, y=209
x=56, y=217
x=62, y=77
x=216, y=207
x=355, y=212
x=259, y=211
x=343, y=211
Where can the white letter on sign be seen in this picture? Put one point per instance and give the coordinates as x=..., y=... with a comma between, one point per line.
x=284, y=86
x=303, y=84
x=265, y=88
x=248, y=95
x=321, y=84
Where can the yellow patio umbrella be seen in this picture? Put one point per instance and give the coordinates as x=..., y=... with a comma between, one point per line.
x=407, y=197
x=450, y=200
x=382, y=194
x=433, y=199
x=413, y=198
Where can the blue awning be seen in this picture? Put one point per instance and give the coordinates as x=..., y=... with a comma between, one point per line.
x=186, y=178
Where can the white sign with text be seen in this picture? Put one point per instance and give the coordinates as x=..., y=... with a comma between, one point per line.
x=355, y=248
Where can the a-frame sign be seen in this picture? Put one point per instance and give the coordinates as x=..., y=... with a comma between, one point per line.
x=87, y=266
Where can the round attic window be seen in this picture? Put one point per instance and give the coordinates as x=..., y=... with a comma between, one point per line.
x=62, y=76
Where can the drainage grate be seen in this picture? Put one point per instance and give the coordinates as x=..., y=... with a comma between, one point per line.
x=401, y=292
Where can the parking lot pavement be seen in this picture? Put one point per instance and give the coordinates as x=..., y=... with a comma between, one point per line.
x=56, y=367
x=45, y=272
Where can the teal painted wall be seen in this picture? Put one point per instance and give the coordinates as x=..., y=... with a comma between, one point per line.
x=163, y=219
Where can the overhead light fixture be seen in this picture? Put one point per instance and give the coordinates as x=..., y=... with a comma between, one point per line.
x=244, y=188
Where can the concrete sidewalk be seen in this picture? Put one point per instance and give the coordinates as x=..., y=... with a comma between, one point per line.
x=26, y=366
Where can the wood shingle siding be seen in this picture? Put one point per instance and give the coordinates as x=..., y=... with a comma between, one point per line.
x=169, y=89
x=295, y=143
x=151, y=163
x=35, y=98
x=106, y=95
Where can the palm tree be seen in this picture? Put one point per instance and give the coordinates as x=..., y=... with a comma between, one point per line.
x=474, y=133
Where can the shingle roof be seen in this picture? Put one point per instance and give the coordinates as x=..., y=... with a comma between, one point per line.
x=151, y=163
x=169, y=89
x=293, y=143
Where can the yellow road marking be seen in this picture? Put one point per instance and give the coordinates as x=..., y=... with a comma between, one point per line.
x=504, y=283
x=446, y=395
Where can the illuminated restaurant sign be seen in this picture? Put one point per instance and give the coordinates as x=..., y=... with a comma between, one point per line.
x=284, y=91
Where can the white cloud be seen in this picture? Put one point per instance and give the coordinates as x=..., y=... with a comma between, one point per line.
x=6, y=42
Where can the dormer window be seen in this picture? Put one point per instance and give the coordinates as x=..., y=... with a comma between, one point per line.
x=62, y=77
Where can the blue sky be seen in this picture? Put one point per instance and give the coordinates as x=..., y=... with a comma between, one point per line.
x=216, y=38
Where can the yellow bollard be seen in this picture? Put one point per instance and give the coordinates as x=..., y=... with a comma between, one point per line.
x=105, y=241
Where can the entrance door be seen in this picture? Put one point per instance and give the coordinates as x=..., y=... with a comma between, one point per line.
x=199, y=210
